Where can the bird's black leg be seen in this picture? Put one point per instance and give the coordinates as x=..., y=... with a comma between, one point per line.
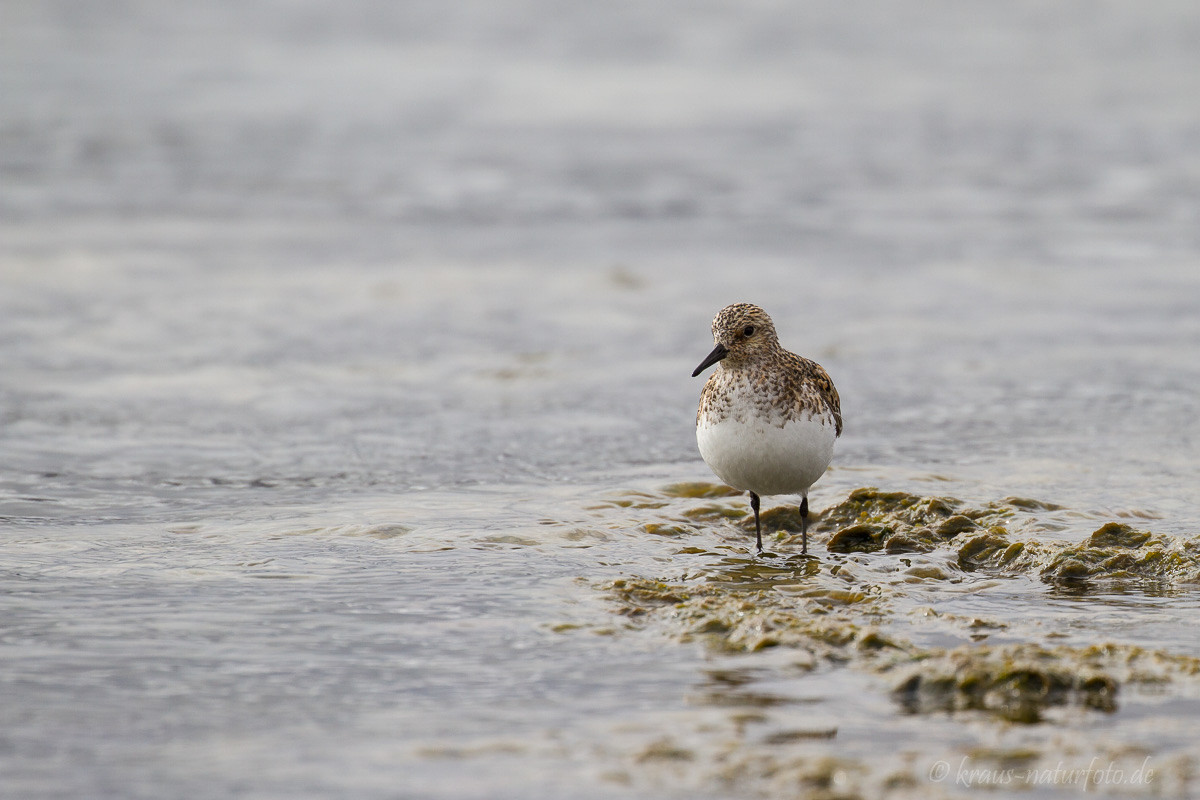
x=804, y=526
x=757, y=525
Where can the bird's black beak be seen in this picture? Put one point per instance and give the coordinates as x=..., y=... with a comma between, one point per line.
x=718, y=352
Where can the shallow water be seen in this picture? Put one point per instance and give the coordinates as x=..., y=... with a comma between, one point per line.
x=346, y=358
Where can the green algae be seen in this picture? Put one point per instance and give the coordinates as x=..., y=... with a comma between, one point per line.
x=799, y=735
x=1114, y=556
x=864, y=537
x=755, y=573
x=1013, y=682
x=926, y=572
x=959, y=523
x=744, y=616
x=1116, y=534
x=665, y=750
x=699, y=489
x=641, y=594
x=849, y=607
x=1016, y=683
x=870, y=520
x=994, y=551
x=1118, y=554
x=864, y=601
x=981, y=538
x=898, y=510
x=986, y=538
x=667, y=529
x=780, y=519
x=838, y=612
x=1021, y=682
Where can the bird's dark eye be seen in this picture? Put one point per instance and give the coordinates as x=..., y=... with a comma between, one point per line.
x=749, y=331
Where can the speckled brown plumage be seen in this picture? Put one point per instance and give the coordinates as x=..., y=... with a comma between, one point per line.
x=784, y=386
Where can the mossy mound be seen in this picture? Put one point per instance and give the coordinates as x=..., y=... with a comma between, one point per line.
x=1116, y=552
x=745, y=617
x=1017, y=683
x=1114, y=555
x=994, y=551
x=870, y=520
x=869, y=504
x=1021, y=682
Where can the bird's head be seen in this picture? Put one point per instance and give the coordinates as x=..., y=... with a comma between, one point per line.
x=742, y=332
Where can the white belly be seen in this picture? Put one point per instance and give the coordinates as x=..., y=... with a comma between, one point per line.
x=758, y=456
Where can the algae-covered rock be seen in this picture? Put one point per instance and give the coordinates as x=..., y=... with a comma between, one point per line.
x=977, y=538
x=1116, y=534
x=700, y=489
x=985, y=538
x=665, y=750
x=870, y=520
x=1017, y=683
x=1118, y=553
x=667, y=529
x=959, y=523
x=918, y=540
x=640, y=594
x=1021, y=682
x=843, y=608
x=994, y=550
x=865, y=537
x=926, y=572
x=1114, y=554
x=735, y=610
x=873, y=505
x=924, y=598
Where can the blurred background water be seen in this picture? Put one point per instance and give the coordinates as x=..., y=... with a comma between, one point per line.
x=322, y=325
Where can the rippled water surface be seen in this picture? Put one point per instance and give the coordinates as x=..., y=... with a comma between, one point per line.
x=346, y=429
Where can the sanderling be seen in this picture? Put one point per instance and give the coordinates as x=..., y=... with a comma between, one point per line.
x=768, y=417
